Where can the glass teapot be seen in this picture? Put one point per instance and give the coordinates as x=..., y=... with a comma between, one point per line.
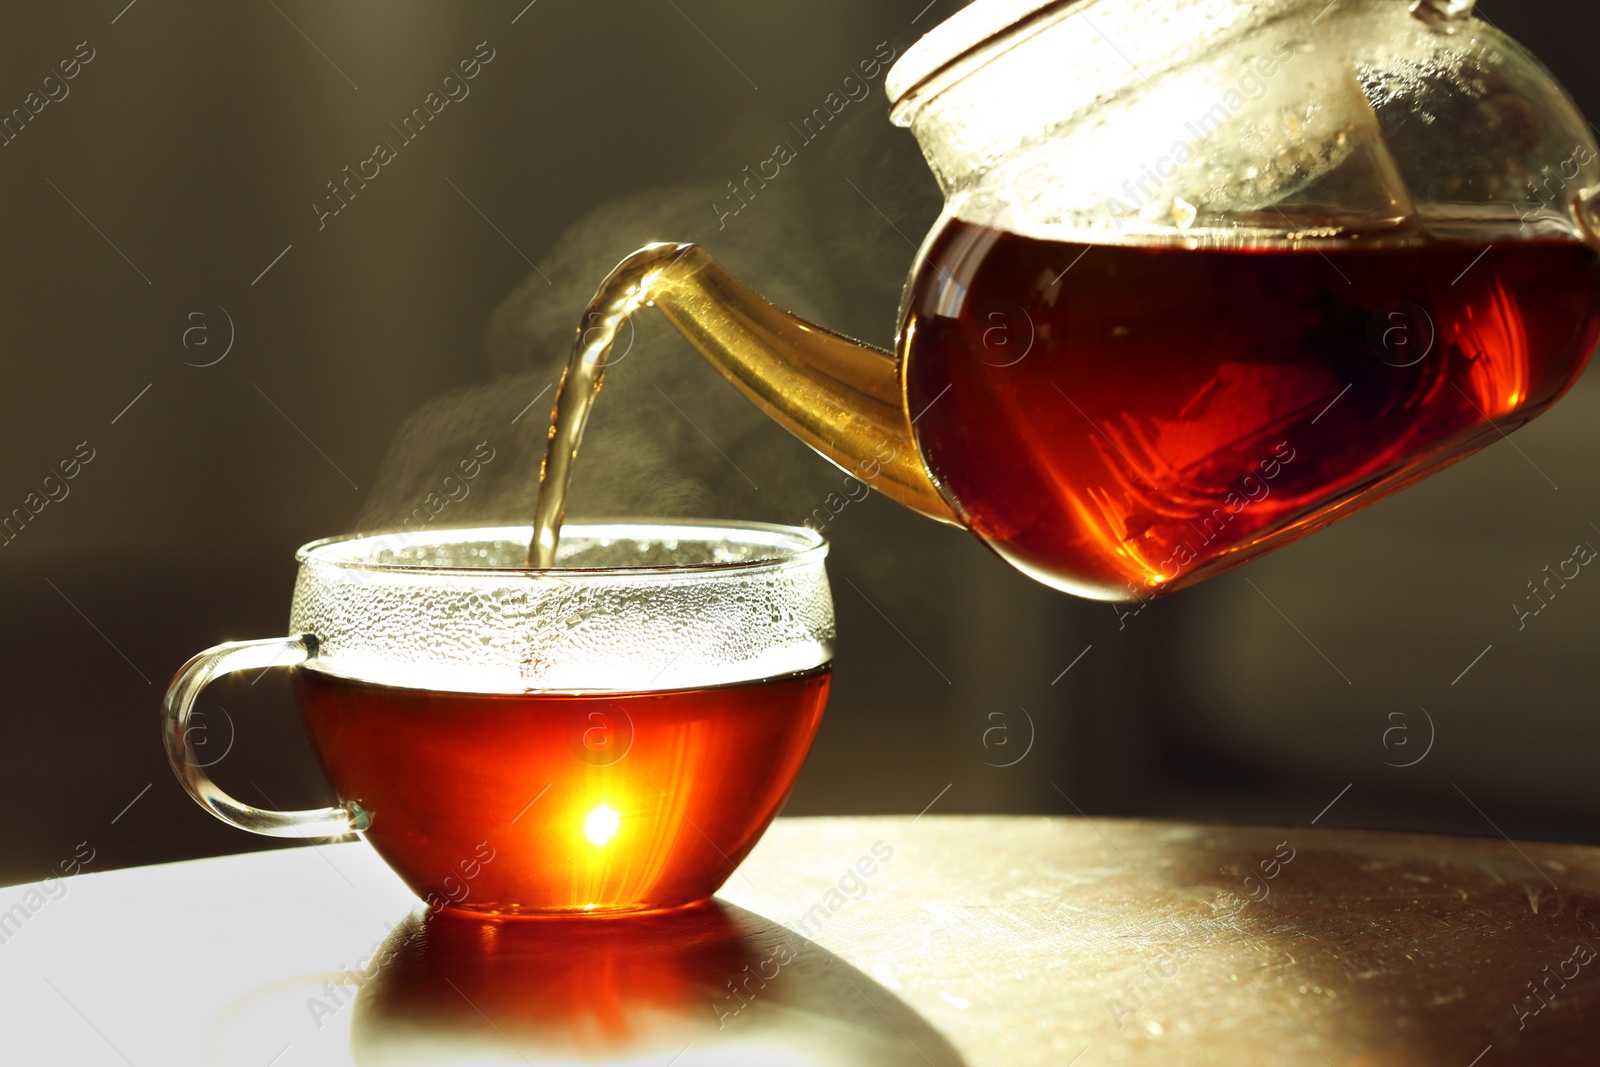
x=1211, y=274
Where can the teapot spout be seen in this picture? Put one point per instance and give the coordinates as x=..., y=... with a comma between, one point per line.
x=841, y=397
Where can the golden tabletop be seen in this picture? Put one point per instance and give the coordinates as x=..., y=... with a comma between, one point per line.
x=943, y=941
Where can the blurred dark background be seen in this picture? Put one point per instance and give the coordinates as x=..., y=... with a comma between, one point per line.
x=177, y=179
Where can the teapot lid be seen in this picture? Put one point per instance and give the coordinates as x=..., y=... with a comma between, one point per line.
x=981, y=23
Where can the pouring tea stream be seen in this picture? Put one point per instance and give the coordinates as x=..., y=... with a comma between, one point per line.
x=1210, y=275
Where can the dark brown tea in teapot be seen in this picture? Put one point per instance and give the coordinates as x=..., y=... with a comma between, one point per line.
x=1118, y=420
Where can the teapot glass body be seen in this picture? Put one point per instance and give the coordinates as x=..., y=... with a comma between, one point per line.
x=1242, y=271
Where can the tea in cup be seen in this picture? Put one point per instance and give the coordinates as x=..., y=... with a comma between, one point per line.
x=613, y=734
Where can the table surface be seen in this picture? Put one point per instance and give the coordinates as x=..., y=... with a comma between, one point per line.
x=883, y=941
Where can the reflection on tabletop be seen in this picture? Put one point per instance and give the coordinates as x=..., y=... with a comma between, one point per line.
x=710, y=983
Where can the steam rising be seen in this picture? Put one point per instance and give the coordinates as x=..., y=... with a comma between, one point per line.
x=806, y=240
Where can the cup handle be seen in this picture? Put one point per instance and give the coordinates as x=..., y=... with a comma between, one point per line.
x=186, y=764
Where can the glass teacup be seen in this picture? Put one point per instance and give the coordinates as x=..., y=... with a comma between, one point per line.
x=613, y=734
